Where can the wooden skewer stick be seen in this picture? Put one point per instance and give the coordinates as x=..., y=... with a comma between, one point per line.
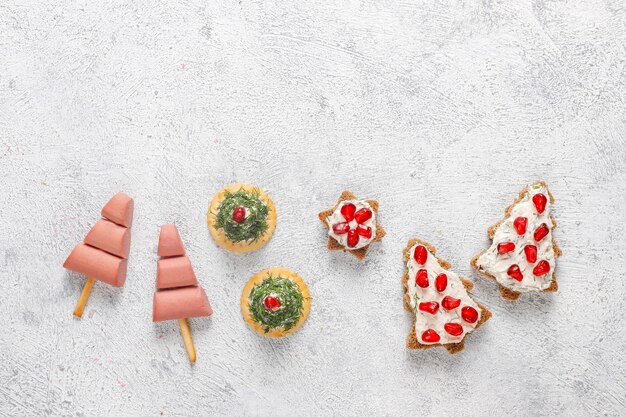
x=78, y=311
x=184, y=329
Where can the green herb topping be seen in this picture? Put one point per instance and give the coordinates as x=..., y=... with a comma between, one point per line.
x=291, y=301
x=416, y=301
x=255, y=223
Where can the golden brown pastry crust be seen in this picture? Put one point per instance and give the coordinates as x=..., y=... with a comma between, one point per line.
x=411, y=341
x=505, y=292
x=334, y=245
x=257, y=279
x=218, y=234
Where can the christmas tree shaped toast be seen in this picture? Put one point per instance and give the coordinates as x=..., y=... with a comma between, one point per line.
x=178, y=295
x=522, y=256
x=103, y=254
x=444, y=313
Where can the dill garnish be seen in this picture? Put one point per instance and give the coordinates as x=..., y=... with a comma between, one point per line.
x=253, y=226
x=415, y=303
x=290, y=298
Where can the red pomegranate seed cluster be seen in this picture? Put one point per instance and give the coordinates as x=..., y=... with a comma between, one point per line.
x=530, y=251
x=441, y=282
x=271, y=303
x=468, y=313
x=506, y=247
x=239, y=214
x=349, y=213
x=540, y=200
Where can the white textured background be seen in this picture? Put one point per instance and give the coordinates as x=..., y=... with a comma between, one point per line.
x=440, y=110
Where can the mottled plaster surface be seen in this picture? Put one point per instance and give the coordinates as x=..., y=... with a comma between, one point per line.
x=440, y=110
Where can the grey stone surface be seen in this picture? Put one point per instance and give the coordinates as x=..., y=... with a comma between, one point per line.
x=440, y=110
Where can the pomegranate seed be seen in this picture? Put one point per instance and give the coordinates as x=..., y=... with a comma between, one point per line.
x=505, y=247
x=455, y=329
x=540, y=201
x=363, y=215
x=542, y=268
x=420, y=255
x=366, y=232
x=239, y=214
x=515, y=273
x=271, y=303
x=469, y=314
x=353, y=238
x=541, y=232
x=430, y=336
x=430, y=307
x=520, y=224
x=421, y=278
x=531, y=253
x=341, y=228
x=450, y=303
x=441, y=282
x=347, y=211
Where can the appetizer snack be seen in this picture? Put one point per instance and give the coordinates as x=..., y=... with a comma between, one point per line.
x=103, y=254
x=352, y=225
x=522, y=256
x=438, y=298
x=178, y=295
x=275, y=302
x=242, y=218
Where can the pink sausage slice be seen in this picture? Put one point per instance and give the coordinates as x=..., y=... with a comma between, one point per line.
x=119, y=210
x=170, y=243
x=180, y=303
x=109, y=237
x=175, y=272
x=97, y=264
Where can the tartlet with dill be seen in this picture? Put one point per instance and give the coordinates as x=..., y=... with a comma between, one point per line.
x=275, y=302
x=242, y=218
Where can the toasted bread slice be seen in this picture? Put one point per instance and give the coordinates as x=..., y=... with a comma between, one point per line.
x=507, y=293
x=334, y=245
x=412, y=340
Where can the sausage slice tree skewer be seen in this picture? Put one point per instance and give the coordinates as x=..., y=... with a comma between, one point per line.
x=178, y=295
x=103, y=255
